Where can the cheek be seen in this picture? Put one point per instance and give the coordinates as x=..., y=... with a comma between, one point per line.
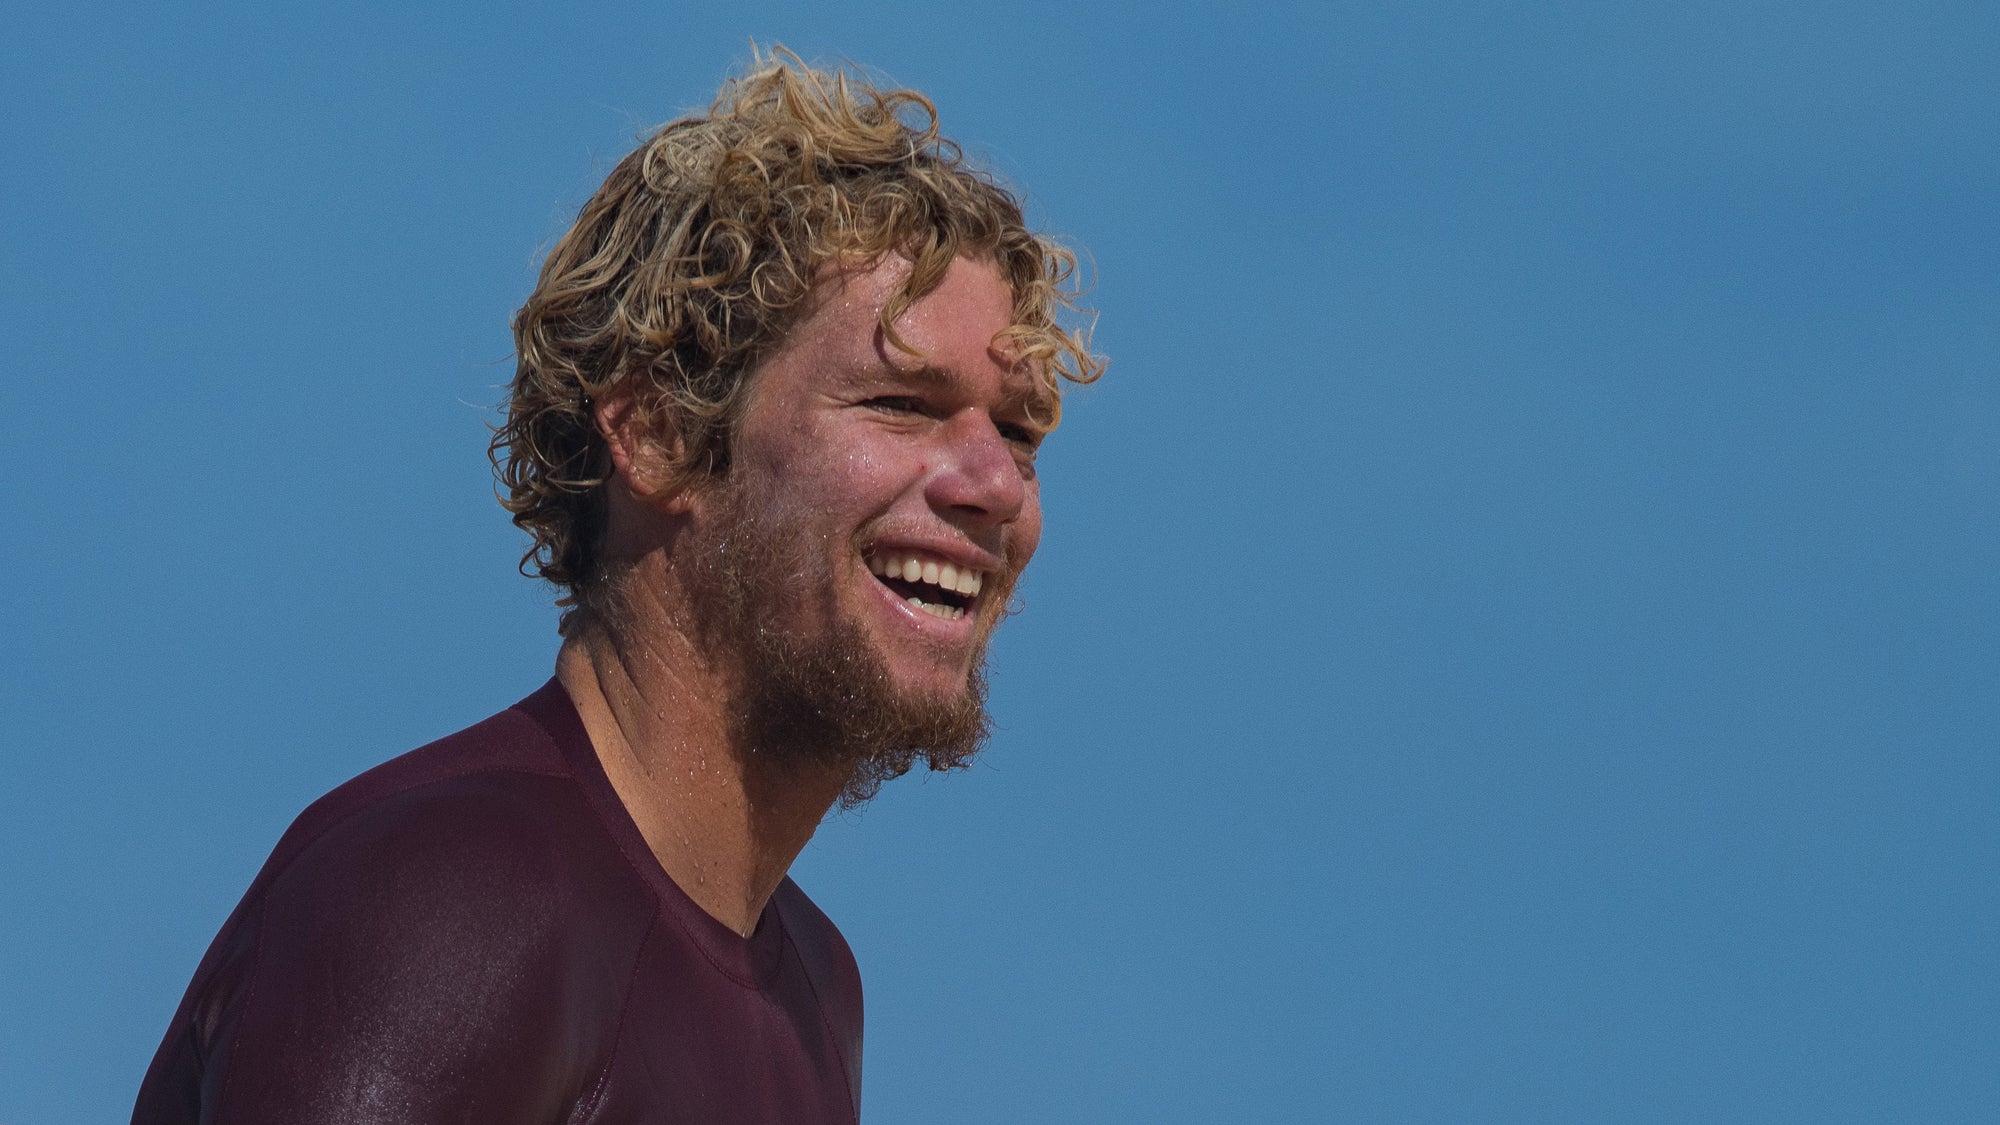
x=827, y=473
x=1027, y=531
x=863, y=484
x=866, y=476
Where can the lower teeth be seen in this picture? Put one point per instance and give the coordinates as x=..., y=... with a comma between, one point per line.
x=948, y=612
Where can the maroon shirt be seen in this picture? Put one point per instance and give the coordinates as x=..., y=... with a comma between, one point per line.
x=476, y=931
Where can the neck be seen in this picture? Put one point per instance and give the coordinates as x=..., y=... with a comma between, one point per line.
x=725, y=823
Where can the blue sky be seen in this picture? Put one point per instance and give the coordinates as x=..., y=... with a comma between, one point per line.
x=1516, y=636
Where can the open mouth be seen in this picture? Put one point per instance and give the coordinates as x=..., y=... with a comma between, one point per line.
x=939, y=589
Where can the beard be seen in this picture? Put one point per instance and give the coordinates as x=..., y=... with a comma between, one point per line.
x=819, y=698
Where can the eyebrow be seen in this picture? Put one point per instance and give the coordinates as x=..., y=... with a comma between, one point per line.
x=1025, y=393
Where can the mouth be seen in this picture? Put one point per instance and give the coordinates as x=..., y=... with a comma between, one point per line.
x=941, y=589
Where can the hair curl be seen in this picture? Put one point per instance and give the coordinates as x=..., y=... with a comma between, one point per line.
x=701, y=250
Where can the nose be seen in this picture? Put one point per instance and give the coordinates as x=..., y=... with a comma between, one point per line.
x=977, y=477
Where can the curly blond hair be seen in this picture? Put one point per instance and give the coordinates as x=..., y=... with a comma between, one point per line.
x=701, y=250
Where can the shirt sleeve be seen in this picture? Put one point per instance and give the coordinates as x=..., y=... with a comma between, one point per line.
x=410, y=965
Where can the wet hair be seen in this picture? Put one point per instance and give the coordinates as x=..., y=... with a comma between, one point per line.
x=702, y=250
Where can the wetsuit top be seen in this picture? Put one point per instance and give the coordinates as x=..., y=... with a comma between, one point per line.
x=476, y=931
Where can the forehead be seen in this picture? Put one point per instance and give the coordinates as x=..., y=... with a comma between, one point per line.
x=952, y=333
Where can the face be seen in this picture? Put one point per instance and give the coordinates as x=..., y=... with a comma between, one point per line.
x=876, y=512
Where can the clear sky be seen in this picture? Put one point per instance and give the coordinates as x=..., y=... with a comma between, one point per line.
x=1516, y=637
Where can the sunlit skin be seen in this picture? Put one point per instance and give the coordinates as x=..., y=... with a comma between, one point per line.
x=865, y=450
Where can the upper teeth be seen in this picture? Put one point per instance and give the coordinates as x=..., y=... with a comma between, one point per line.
x=911, y=568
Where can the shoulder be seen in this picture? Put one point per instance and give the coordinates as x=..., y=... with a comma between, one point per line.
x=806, y=922
x=831, y=973
x=453, y=853
x=509, y=744
x=414, y=923
x=828, y=961
x=484, y=834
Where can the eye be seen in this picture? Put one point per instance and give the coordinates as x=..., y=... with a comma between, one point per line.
x=1027, y=437
x=898, y=404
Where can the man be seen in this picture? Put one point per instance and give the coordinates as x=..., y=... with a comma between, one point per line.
x=773, y=431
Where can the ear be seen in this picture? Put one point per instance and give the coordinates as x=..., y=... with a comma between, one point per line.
x=643, y=451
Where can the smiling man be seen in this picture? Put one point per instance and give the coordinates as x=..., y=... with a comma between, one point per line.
x=773, y=432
